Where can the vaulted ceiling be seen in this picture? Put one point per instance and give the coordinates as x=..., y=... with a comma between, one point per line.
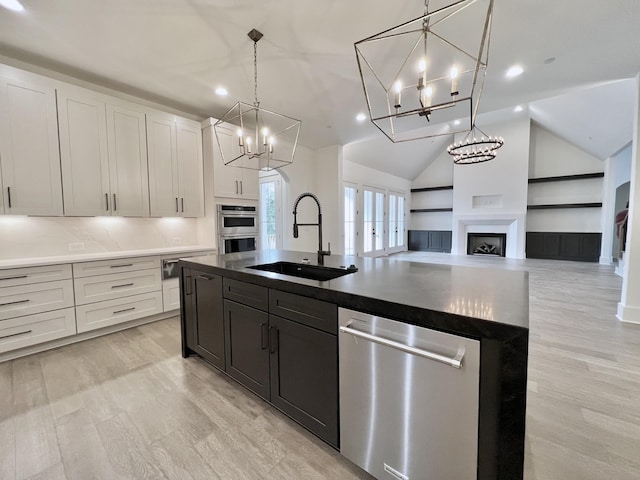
x=178, y=51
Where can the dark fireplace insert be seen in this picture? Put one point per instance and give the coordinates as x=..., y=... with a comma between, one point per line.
x=491, y=244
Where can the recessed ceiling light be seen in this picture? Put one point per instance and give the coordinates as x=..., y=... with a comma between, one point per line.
x=361, y=117
x=14, y=5
x=457, y=122
x=519, y=108
x=219, y=91
x=514, y=71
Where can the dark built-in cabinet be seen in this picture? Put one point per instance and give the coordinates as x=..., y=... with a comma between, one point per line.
x=281, y=346
x=430, y=240
x=582, y=247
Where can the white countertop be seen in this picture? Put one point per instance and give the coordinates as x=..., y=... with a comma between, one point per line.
x=89, y=257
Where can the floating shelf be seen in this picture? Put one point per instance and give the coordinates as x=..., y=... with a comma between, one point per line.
x=564, y=205
x=564, y=178
x=427, y=210
x=431, y=189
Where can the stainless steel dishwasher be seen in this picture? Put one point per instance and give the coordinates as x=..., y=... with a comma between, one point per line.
x=408, y=399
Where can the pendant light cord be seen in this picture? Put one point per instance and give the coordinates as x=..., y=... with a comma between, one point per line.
x=255, y=73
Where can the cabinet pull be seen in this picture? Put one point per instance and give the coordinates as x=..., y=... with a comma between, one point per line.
x=240, y=187
x=182, y=203
x=115, y=205
x=13, y=278
x=237, y=187
x=187, y=285
x=14, y=303
x=273, y=339
x=202, y=277
x=15, y=334
x=122, y=265
x=124, y=310
x=264, y=336
x=106, y=201
x=9, y=196
x=177, y=205
x=123, y=285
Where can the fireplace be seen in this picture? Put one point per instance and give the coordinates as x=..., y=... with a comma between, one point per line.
x=489, y=244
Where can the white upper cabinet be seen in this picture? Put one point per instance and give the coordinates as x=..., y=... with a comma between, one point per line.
x=128, y=175
x=176, y=186
x=228, y=181
x=29, y=152
x=103, y=155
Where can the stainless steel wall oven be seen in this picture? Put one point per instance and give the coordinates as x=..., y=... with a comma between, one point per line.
x=237, y=228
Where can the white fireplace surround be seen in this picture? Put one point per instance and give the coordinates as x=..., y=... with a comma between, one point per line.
x=514, y=225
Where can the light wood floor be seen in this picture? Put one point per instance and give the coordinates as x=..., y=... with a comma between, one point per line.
x=128, y=406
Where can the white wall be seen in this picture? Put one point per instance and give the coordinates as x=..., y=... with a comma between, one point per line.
x=439, y=173
x=623, y=166
x=328, y=177
x=553, y=156
x=29, y=237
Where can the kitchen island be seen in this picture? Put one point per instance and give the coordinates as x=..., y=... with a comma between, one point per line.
x=292, y=323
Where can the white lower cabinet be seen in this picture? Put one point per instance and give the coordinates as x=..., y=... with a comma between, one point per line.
x=30, y=330
x=106, y=299
x=23, y=300
x=112, y=312
x=171, y=294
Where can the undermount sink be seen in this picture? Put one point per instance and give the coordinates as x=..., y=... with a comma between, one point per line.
x=312, y=272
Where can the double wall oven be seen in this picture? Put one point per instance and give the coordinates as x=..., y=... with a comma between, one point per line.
x=237, y=228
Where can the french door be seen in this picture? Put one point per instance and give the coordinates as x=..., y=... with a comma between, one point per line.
x=270, y=213
x=374, y=225
x=396, y=227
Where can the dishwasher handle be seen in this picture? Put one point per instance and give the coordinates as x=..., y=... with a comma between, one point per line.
x=455, y=362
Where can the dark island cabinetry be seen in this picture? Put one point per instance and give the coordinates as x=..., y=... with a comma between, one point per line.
x=281, y=346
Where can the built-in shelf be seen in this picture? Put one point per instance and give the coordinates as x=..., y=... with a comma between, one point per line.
x=431, y=189
x=564, y=205
x=427, y=210
x=564, y=178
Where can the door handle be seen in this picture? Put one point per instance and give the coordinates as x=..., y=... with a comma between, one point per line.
x=264, y=336
x=273, y=339
x=455, y=362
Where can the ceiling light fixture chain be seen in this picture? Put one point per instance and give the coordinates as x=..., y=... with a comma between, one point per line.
x=266, y=140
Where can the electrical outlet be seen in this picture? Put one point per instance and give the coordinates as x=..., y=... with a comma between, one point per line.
x=175, y=241
x=75, y=247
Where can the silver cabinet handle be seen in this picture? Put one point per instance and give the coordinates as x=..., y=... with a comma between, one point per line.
x=14, y=303
x=240, y=187
x=177, y=205
x=122, y=265
x=106, y=201
x=182, y=203
x=455, y=362
x=237, y=191
x=125, y=310
x=15, y=334
x=123, y=285
x=115, y=205
x=9, y=196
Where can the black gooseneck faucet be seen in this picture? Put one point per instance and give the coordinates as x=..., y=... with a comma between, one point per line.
x=321, y=253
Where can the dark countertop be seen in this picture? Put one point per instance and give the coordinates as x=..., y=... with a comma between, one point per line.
x=475, y=302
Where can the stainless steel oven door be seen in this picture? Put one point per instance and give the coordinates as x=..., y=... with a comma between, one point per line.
x=237, y=243
x=237, y=220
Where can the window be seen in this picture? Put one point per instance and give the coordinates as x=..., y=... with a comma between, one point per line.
x=350, y=219
x=270, y=230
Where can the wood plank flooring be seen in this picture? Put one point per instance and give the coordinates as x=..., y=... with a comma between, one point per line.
x=127, y=406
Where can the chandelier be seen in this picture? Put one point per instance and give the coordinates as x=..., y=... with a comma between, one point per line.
x=475, y=147
x=261, y=139
x=420, y=76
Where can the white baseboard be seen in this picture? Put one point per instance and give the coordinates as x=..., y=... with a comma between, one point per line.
x=606, y=261
x=628, y=314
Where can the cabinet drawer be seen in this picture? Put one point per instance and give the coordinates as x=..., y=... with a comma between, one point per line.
x=171, y=294
x=246, y=293
x=112, y=312
x=32, y=329
x=116, y=285
x=101, y=267
x=28, y=275
x=39, y=297
x=304, y=310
